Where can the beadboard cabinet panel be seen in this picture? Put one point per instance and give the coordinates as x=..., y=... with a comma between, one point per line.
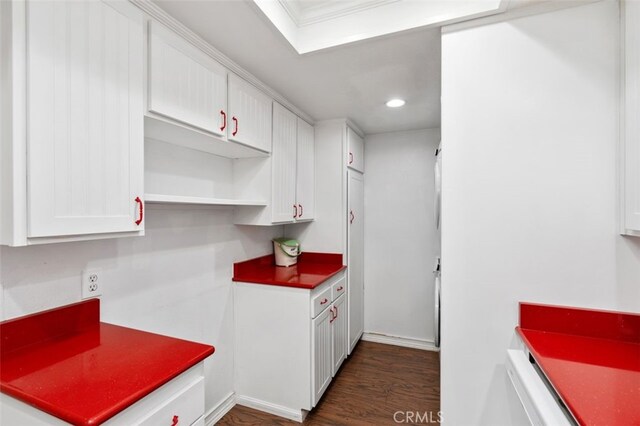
x=306, y=183
x=355, y=151
x=85, y=117
x=284, y=208
x=321, y=354
x=250, y=113
x=184, y=83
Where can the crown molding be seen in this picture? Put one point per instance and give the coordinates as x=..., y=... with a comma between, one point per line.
x=313, y=16
x=327, y=11
x=155, y=12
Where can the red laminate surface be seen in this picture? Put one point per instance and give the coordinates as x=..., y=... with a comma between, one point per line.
x=311, y=270
x=594, y=368
x=90, y=371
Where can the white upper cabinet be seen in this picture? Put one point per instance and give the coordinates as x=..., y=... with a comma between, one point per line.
x=306, y=173
x=355, y=151
x=85, y=106
x=630, y=162
x=185, y=84
x=249, y=115
x=195, y=102
x=283, y=158
x=81, y=123
x=287, y=178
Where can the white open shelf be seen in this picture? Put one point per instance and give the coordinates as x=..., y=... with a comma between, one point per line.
x=179, y=199
x=179, y=175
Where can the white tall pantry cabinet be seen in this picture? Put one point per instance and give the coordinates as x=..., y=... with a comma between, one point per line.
x=339, y=208
x=72, y=144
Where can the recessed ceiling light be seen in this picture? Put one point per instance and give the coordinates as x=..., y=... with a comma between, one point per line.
x=395, y=103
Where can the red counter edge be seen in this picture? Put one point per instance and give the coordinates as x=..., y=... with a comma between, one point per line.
x=595, y=323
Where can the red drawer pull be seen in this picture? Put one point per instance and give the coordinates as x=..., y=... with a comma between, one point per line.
x=340, y=288
x=324, y=301
x=235, y=130
x=141, y=210
x=295, y=211
x=301, y=210
x=175, y=420
x=224, y=119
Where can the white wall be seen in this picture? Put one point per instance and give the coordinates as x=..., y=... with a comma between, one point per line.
x=401, y=241
x=176, y=280
x=529, y=129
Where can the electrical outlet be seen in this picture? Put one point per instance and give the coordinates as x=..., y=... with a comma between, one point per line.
x=91, y=283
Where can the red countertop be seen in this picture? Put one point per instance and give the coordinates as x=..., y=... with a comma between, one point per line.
x=68, y=364
x=311, y=270
x=591, y=358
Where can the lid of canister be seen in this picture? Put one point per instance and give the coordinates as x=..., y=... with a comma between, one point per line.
x=287, y=242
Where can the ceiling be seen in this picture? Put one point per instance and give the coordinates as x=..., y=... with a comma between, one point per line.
x=311, y=25
x=349, y=81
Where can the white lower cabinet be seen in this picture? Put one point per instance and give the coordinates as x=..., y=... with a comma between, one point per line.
x=339, y=333
x=178, y=402
x=290, y=342
x=321, y=359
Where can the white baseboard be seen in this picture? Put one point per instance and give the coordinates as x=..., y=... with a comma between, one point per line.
x=270, y=408
x=426, y=345
x=216, y=413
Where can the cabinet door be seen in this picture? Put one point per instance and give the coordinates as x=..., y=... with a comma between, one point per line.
x=355, y=151
x=184, y=83
x=249, y=115
x=631, y=148
x=306, y=183
x=283, y=163
x=321, y=354
x=339, y=333
x=355, y=256
x=85, y=115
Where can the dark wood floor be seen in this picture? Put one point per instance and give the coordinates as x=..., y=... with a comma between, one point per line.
x=375, y=382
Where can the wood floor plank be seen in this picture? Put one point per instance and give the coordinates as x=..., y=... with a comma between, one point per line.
x=375, y=382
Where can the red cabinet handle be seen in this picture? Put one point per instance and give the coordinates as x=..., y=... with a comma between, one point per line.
x=141, y=210
x=340, y=288
x=175, y=420
x=324, y=301
x=224, y=119
x=333, y=316
x=352, y=216
x=336, y=308
x=235, y=130
x=351, y=158
x=301, y=210
x=295, y=211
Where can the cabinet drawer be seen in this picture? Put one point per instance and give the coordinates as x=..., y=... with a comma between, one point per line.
x=320, y=302
x=339, y=288
x=184, y=408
